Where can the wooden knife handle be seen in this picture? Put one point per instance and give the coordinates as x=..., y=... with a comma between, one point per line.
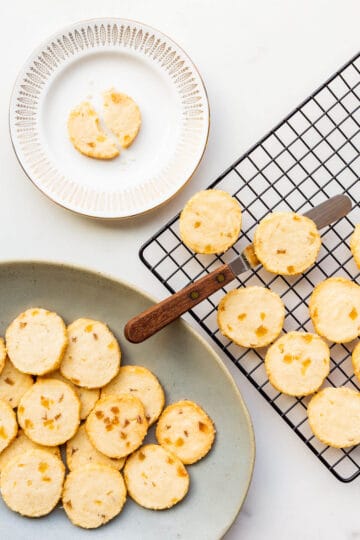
x=153, y=319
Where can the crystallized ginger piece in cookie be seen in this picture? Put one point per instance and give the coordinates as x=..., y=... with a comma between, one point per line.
x=122, y=116
x=117, y=425
x=92, y=358
x=297, y=363
x=334, y=416
x=13, y=384
x=334, y=307
x=22, y=444
x=93, y=495
x=86, y=134
x=2, y=354
x=49, y=412
x=36, y=341
x=140, y=382
x=355, y=244
x=31, y=483
x=210, y=221
x=251, y=316
x=286, y=243
x=80, y=452
x=186, y=430
x=8, y=425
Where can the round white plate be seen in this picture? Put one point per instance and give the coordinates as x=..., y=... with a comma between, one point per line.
x=80, y=63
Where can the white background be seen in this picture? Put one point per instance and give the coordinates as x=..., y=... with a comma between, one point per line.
x=258, y=59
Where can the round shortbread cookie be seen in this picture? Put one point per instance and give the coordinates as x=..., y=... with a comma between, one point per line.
x=210, y=221
x=8, y=425
x=355, y=244
x=122, y=116
x=92, y=358
x=251, y=316
x=335, y=309
x=31, y=483
x=49, y=412
x=2, y=354
x=86, y=134
x=117, y=425
x=93, y=495
x=185, y=429
x=334, y=416
x=140, y=382
x=286, y=243
x=297, y=363
x=355, y=358
x=87, y=396
x=155, y=478
x=36, y=341
x=22, y=444
x=80, y=452
x=13, y=384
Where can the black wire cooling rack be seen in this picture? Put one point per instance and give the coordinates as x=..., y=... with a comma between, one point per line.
x=314, y=153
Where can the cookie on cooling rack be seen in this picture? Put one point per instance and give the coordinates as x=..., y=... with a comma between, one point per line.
x=286, y=243
x=251, y=316
x=8, y=425
x=355, y=244
x=13, y=384
x=298, y=363
x=210, y=221
x=121, y=116
x=335, y=309
x=155, y=478
x=334, y=416
x=22, y=444
x=355, y=359
x=93, y=495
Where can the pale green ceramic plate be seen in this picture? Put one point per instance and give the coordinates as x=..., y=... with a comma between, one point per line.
x=186, y=366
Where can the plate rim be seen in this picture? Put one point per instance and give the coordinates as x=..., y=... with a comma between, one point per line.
x=216, y=358
x=102, y=20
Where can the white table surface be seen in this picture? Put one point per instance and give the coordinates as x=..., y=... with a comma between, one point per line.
x=259, y=59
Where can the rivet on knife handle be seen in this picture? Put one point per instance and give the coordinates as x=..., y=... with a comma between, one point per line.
x=153, y=319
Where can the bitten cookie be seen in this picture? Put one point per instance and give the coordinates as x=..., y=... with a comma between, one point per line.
x=251, y=316
x=8, y=425
x=49, y=412
x=80, y=452
x=297, y=363
x=31, y=483
x=335, y=309
x=92, y=358
x=122, y=116
x=117, y=425
x=210, y=221
x=2, y=354
x=13, y=384
x=355, y=244
x=36, y=341
x=334, y=416
x=86, y=134
x=140, y=382
x=286, y=243
x=93, y=495
x=155, y=478
x=185, y=429
x=22, y=444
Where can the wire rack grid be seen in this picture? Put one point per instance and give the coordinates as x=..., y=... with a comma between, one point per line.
x=314, y=153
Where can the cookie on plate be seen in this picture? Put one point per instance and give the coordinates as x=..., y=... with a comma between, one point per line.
x=31, y=483
x=251, y=316
x=210, y=221
x=49, y=412
x=334, y=416
x=87, y=135
x=186, y=430
x=117, y=425
x=355, y=244
x=334, y=307
x=36, y=341
x=298, y=363
x=93, y=495
x=80, y=452
x=286, y=243
x=140, y=382
x=2, y=354
x=22, y=444
x=121, y=116
x=13, y=384
x=92, y=358
x=155, y=478
x=8, y=425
